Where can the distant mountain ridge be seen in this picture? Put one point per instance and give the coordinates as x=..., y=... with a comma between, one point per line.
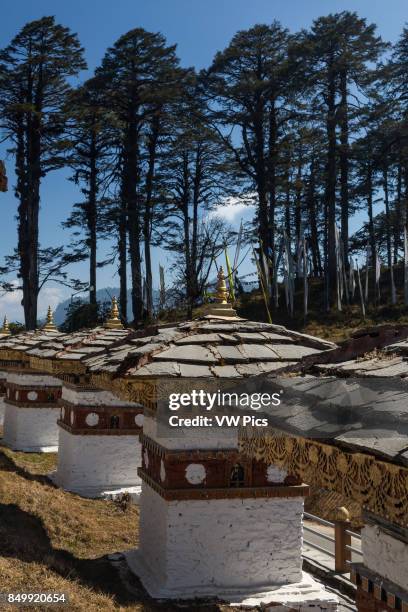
x=107, y=293
x=102, y=295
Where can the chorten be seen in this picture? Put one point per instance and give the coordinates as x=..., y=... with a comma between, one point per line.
x=114, y=322
x=374, y=429
x=50, y=325
x=222, y=307
x=4, y=333
x=213, y=523
x=31, y=398
x=5, y=330
x=99, y=451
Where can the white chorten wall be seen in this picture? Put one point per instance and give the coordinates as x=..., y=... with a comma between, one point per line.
x=219, y=544
x=242, y=543
x=93, y=465
x=385, y=555
x=31, y=428
x=3, y=377
x=93, y=459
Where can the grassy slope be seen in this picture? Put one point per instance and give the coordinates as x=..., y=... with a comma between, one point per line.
x=48, y=536
x=51, y=540
x=335, y=326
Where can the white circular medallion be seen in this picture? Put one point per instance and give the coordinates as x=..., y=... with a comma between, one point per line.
x=275, y=474
x=92, y=419
x=139, y=418
x=32, y=396
x=146, y=458
x=162, y=471
x=195, y=473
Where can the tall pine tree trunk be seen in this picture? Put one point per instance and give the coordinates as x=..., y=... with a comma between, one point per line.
x=344, y=167
x=388, y=232
x=262, y=185
x=288, y=221
x=194, y=237
x=273, y=135
x=331, y=189
x=298, y=210
x=30, y=246
x=135, y=258
x=147, y=221
x=184, y=208
x=398, y=221
x=131, y=183
x=122, y=250
x=311, y=207
x=29, y=176
x=371, y=229
x=91, y=219
x=387, y=215
x=190, y=297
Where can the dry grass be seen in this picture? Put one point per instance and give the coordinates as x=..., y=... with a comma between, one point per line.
x=336, y=326
x=84, y=527
x=48, y=537
x=55, y=541
x=19, y=576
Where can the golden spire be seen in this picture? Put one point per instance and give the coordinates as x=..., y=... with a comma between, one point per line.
x=50, y=325
x=221, y=295
x=5, y=330
x=221, y=308
x=114, y=322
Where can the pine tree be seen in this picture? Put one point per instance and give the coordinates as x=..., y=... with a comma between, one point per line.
x=34, y=73
x=194, y=179
x=136, y=72
x=359, y=50
x=336, y=54
x=92, y=134
x=250, y=83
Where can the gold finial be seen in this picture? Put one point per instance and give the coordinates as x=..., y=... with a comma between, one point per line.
x=114, y=322
x=50, y=325
x=221, y=295
x=5, y=330
x=221, y=309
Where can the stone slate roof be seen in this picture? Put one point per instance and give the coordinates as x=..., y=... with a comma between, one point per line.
x=391, y=361
x=360, y=404
x=77, y=346
x=25, y=341
x=209, y=347
x=367, y=414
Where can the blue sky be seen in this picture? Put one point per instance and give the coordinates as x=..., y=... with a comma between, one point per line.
x=199, y=28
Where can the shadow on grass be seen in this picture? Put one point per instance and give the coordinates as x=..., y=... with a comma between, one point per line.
x=24, y=537
x=8, y=465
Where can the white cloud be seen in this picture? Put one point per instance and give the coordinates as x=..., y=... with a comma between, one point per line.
x=51, y=296
x=232, y=209
x=10, y=303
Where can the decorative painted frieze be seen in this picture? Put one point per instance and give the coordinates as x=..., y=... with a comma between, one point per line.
x=196, y=474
